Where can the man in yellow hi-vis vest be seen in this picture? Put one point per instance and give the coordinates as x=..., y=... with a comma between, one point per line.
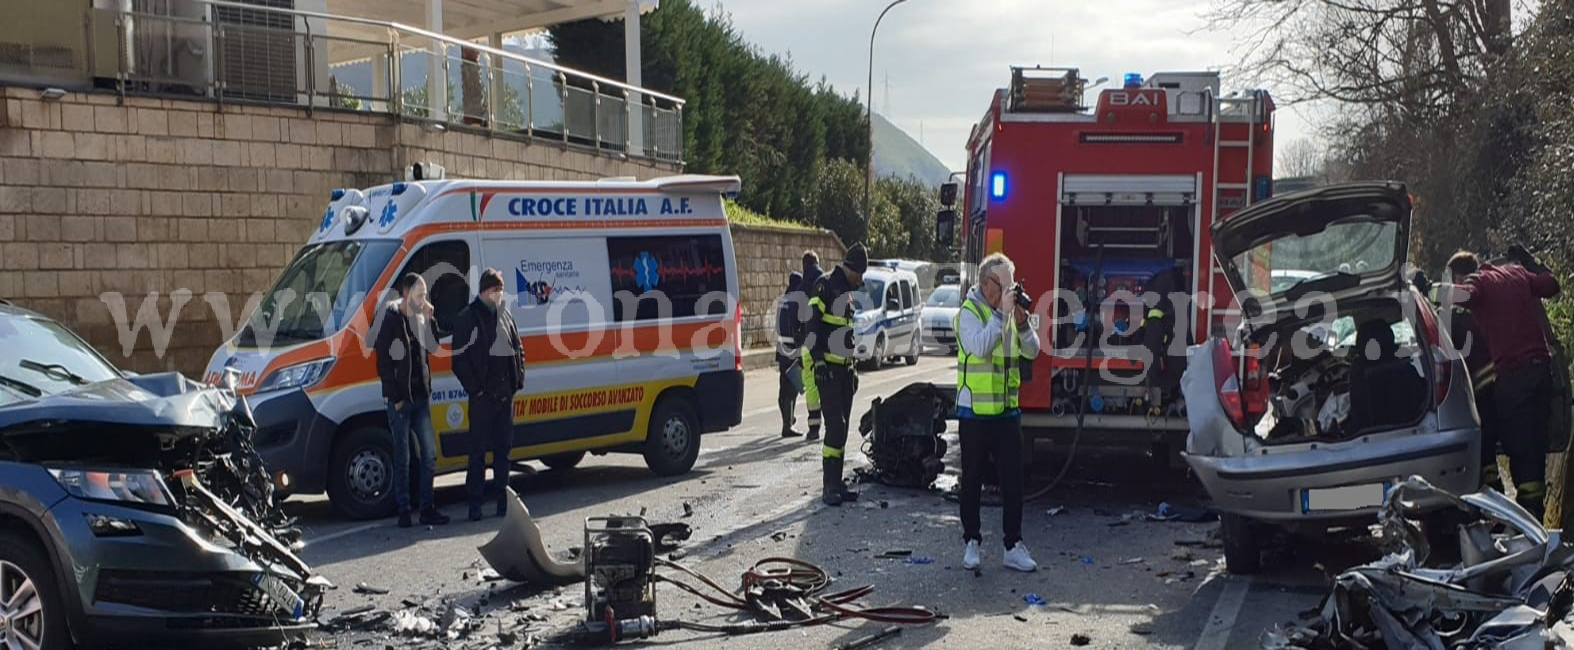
x=992, y=335
x=832, y=350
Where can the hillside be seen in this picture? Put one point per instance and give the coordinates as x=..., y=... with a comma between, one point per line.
x=898, y=154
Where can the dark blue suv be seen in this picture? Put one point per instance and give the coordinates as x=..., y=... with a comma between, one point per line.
x=132, y=508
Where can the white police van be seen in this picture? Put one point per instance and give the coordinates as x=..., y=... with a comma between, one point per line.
x=888, y=318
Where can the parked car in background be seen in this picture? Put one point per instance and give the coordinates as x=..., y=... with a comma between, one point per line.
x=132, y=509
x=887, y=322
x=1322, y=407
x=940, y=316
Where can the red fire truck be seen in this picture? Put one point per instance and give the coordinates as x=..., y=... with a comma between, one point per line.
x=1118, y=198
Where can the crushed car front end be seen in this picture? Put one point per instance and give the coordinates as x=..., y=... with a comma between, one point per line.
x=159, y=518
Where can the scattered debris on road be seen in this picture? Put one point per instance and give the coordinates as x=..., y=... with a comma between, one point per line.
x=1055, y=511
x=363, y=588
x=1080, y=639
x=1513, y=588
x=1034, y=600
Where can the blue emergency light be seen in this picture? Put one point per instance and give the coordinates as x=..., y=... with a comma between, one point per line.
x=1133, y=80
x=336, y=194
x=997, y=185
x=399, y=188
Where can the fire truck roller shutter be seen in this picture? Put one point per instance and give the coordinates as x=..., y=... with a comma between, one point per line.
x=1113, y=189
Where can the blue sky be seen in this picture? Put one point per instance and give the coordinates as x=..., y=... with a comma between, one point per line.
x=945, y=57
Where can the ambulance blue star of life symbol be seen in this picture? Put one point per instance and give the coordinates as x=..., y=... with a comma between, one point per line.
x=390, y=212
x=327, y=221
x=647, y=273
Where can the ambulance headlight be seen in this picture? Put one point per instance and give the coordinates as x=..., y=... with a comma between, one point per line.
x=865, y=322
x=301, y=375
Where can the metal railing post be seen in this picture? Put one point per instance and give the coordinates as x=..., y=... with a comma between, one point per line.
x=395, y=74
x=595, y=113
x=442, y=51
x=530, y=103
x=628, y=124
x=492, y=96
x=311, y=70
x=562, y=80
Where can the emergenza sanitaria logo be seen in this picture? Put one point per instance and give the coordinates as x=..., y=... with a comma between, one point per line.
x=536, y=281
x=327, y=221
x=647, y=271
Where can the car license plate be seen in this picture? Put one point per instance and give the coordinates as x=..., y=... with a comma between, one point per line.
x=1348, y=497
x=281, y=594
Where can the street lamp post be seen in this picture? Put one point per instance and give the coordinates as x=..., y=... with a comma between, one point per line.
x=869, y=121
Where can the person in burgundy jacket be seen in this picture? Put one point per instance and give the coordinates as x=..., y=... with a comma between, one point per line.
x=1506, y=303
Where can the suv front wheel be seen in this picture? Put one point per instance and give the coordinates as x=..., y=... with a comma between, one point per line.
x=30, y=604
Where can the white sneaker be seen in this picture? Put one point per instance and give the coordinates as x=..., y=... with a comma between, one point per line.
x=970, y=556
x=1019, y=559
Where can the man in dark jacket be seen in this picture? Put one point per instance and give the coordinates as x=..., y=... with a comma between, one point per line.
x=832, y=349
x=811, y=390
x=406, y=330
x=490, y=365
x=787, y=351
x=1506, y=303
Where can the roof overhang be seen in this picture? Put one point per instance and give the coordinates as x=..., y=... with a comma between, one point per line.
x=473, y=19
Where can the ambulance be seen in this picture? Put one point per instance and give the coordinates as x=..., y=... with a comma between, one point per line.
x=625, y=293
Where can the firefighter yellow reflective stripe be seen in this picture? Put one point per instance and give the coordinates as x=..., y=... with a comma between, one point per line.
x=1155, y=313
x=838, y=360
x=825, y=313
x=830, y=452
x=1484, y=376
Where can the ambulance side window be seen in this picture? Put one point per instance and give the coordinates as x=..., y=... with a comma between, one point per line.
x=446, y=267
x=683, y=268
x=907, y=295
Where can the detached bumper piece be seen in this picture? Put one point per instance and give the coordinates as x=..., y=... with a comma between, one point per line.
x=194, y=600
x=1513, y=589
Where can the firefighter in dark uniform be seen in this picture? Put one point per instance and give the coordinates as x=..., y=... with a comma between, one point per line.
x=832, y=350
x=806, y=320
x=787, y=351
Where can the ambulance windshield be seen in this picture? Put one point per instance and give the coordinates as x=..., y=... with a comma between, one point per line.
x=314, y=294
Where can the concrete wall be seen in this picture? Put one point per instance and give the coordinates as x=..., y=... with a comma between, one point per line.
x=766, y=254
x=162, y=194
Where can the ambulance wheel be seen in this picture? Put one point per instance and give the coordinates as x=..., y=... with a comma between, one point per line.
x=672, y=443
x=563, y=461
x=360, y=474
x=1242, y=555
x=912, y=353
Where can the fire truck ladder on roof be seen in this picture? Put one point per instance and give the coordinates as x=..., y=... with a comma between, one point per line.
x=1243, y=114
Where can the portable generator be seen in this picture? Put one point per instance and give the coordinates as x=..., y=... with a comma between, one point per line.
x=620, y=579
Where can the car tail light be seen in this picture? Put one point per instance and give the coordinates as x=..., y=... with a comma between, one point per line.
x=737, y=337
x=1254, y=396
x=1227, y=383
x=1442, y=366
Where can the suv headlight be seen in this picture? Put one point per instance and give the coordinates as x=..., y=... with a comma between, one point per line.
x=300, y=375
x=143, y=487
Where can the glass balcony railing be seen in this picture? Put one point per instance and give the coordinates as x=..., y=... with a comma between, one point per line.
x=243, y=53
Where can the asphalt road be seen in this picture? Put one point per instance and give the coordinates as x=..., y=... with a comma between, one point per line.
x=1105, y=571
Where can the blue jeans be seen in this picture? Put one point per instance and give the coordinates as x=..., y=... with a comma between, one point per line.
x=413, y=421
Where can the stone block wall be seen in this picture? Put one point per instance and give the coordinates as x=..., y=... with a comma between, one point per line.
x=766, y=254
x=137, y=195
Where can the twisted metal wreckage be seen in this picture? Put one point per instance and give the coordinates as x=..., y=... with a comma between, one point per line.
x=1513, y=587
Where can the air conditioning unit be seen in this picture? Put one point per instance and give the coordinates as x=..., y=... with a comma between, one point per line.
x=258, y=51
x=45, y=44
x=169, y=46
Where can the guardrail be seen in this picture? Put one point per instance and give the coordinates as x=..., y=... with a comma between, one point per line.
x=230, y=51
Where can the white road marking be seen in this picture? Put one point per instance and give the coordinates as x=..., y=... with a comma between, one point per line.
x=1216, y=634
x=343, y=533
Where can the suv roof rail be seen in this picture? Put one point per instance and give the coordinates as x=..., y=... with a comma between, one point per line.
x=7, y=303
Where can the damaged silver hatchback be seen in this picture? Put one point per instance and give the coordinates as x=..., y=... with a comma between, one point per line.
x=133, y=510
x=1339, y=382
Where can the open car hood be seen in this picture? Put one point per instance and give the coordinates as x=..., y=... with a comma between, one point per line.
x=167, y=401
x=1314, y=236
